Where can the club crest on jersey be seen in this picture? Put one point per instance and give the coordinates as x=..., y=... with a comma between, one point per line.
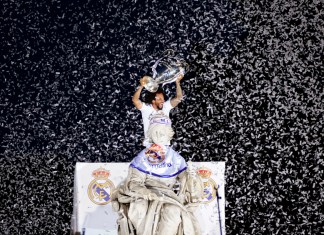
x=155, y=154
x=210, y=186
x=100, y=188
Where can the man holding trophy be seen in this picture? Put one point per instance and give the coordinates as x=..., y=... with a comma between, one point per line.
x=161, y=191
x=157, y=106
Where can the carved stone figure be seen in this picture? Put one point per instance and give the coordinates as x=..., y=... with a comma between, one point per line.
x=161, y=191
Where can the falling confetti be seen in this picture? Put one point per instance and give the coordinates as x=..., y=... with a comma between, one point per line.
x=253, y=98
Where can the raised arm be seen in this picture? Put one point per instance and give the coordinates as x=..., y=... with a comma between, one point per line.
x=136, y=97
x=177, y=99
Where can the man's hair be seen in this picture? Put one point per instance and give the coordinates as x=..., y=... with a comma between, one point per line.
x=151, y=96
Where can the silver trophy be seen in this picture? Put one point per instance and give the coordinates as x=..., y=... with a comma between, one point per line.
x=165, y=70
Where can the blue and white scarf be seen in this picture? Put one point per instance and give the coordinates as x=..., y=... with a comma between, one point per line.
x=160, y=161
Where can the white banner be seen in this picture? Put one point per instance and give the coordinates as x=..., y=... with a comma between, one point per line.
x=94, y=182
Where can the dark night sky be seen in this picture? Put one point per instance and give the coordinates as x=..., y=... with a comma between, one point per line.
x=253, y=98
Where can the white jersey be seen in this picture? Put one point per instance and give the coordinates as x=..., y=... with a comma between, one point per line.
x=148, y=112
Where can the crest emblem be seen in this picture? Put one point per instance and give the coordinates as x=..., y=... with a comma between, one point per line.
x=155, y=154
x=210, y=185
x=100, y=189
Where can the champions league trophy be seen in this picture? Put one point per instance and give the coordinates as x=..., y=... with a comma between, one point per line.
x=165, y=70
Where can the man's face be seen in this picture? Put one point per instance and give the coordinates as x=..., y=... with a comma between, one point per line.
x=158, y=101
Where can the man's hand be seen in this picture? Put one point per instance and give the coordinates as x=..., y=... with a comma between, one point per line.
x=144, y=80
x=136, y=97
x=179, y=78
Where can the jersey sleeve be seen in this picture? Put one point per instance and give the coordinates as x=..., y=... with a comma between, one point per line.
x=145, y=106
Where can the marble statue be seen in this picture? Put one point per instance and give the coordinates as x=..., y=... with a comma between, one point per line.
x=161, y=191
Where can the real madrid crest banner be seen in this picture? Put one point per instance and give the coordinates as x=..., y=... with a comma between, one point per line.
x=95, y=182
x=100, y=188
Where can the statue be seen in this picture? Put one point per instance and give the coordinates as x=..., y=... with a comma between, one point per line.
x=161, y=191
